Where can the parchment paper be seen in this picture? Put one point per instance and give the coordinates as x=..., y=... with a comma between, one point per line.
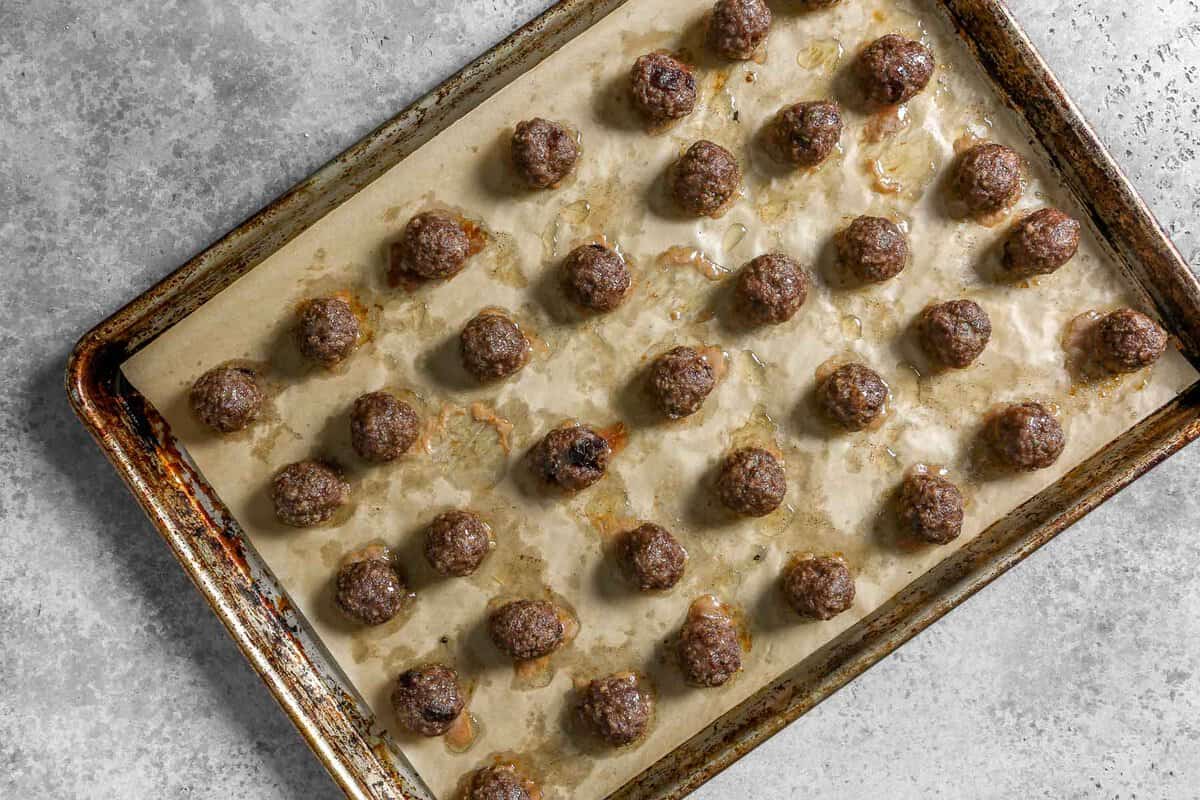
x=587, y=369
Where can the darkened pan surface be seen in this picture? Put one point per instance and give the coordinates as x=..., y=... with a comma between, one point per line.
x=258, y=615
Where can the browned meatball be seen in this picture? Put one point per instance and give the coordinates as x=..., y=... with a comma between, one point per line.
x=498, y=783
x=456, y=542
x=1127, y=340
x=493, y=347
x=664, y=88
x=543, y=152
x=427, y=699
x=804, y=134
x=751, y=482
x=771, y=289
x=370, y=591
x=819, y=587
x=1025, y=436
x=988, y=178
x=382, y=428
x=738, y=27
x=307, y=493
x=873, y=249
x=1041, y=243
x=894, y=69
x=572, y=458
x=595, y=277
x=931, y=508
x=615, y=709
x=709, y=651
x=526, y=629
x=705, y=178
x=227, y=399
x=954, y=333
x=327, y=331
x=435, y=245
x=680, y=380
x=853, y=396
x=652, y=558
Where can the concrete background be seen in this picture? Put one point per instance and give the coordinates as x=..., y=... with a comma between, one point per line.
x=132, y=133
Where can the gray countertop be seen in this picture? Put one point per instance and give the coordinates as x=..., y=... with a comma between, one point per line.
x=132, y=133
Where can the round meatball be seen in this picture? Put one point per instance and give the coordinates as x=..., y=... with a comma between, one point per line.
x=954, y=333
x=705, y=178
x=435, y=245
x=615, y=709
x=1127, y=340
x=370, y=591
x=227, y=399
x=931, y=508
x=853, y=396
x=493, y=347
x=988, y=178
x=652, y=558
x=819, y=587
x=382, y=428
x=327, y=331
x=572, y=458
x=709, y=651
x=595, y=277
x=738, y=27
x=873, y=249
x=804, y=134
x=680, y=380
x=307, y=493
x=543, y=152
x=427, y=699
x=894, y=69
x=664, y=88
x=1025, y=436
x=771, y=289
x=497, y=783
x=751, y=482
x=1041, y=243
x=526, y=629
x=456, y=542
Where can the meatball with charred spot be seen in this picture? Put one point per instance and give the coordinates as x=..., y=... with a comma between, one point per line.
x=709, y=651
x=525, y=629
x=543, y=152
x=988, y=178
x=615, y=709
x=894, y=69
x=1025, y=436
x=1127, y=341
x=752, y=482
x=370, y=591
x=456, y=542
x=1041, y=243
x=434, y=246
x=227, y=399
x=804, y=134
x=652, y=558
x=954, y=333
x=819, y=587
x=307, y=493
x=572, y=458
x=595, y=277
x=872, y=249
x=428, y=699
x=737, y=28
x=663, y=88
x=497, y=783
x=493, y=347
x=931, y=508
x=853, y=396
x=771, y=289
x=680, y=380
x=705, y=178
x=327, y=331
x=382, y=428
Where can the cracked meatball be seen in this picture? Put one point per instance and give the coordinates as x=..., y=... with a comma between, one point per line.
x=543, y=152
x=572, y=458
x=705, y=178
x=931, y=508
x=595, y=277
x=307, y=493
x=227, y=399
x=493, y=347
x=751, y=482
x=771, y=289
x=1127, y=340
x=428, y=699
x=853, y=396
x=370, y=591
x=680, y=380
x=737, y=27
x=872, y=249
x=988, y=178
x=709, y=651
x=1025, y=436
x=894, y=69
x=954, y=333
x=615, y=709
x=804, y=134
x=382, y=428
x=327, y=331
x=498, y=783
x=525, y=629
x=663, y=88
x=819, y=587
x=456, y=542
x=652, y=558
x=435, y=245
x=1041, y=243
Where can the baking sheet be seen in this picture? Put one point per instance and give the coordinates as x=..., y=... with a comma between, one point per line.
x=587, y=369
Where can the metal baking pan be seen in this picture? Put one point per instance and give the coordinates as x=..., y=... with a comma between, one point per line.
x=336, y=724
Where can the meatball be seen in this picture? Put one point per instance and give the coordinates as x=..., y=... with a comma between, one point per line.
x=427, y=699
x=382, y=428
x=931, y=508
x=227, y=399
x=543, y=152
x=771, y=289
x=370, y=591
x=751, y=482
x=804, y=134
x=526, y=629
x=664, y=88
x=954, y=333
x=1041, y=243
x=327, y=331
x=615, y=709
x=497, y=783
x=652, y=558
x=705, y=178
x=873, y=249
x=680, y=380
x=738, y=27
x=853, y=396
x=988, y=178
x=493, y=347
x=894, y=69
x=435, y=245
x=595, y=277
x=456, y=542
x=572, y=458
x=709, y=651
x=1025, y=436
x=819, y=587
x=307, y=493
x=1127, y=340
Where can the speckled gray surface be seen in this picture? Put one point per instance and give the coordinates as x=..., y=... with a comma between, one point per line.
x=132, y=133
